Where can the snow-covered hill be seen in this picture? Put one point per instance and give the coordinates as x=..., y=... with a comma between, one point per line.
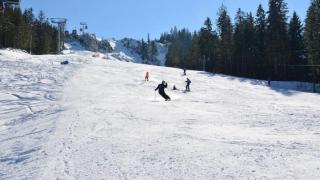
x=131, y=48
x=124, y=50
x=97, y=118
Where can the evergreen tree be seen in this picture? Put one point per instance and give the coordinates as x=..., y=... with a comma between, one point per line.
x=208, y=24
x=2, y=29
x=7, y=28
x=249, y=65
x=144, y=51
x=194, y=60
x=179, y=45
x=29, y=19
x=206, y=44
x=296, y=47
x=277, y=40
x=312, y=32
x=296, y=40
x=312, y=36
x=260, y=41
x=18, y=30
x=149, y=58
x=243, y=61
x=154, y=52
x=239, y=40
x=224, y=26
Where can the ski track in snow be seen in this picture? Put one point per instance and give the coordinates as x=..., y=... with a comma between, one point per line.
x=98, y=119
x=30, y=87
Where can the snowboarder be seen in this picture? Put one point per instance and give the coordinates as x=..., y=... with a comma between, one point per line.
x=161, y=88
x=188, y=84
x=146, y=78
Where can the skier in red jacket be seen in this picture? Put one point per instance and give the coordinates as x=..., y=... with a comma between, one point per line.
x=146, y=78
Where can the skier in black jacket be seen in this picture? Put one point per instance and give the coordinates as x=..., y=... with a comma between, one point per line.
x=188, y=84
x=161, y=88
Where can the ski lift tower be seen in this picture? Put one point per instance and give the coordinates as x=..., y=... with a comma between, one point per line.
x=61, y=22
x=84, y=26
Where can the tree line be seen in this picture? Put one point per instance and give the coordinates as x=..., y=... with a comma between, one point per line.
x=22, y=30
x=264, y=45
x=148, y=51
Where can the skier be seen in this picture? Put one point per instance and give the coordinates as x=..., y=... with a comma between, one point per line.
x=188, y=84
x=161, y=88
x=184, y=71
x=146, y=78
x=174, y=88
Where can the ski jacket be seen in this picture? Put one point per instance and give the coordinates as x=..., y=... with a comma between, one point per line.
x=188, y=81
x=161, y=87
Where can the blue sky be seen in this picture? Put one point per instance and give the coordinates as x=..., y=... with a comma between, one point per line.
x=137, y=18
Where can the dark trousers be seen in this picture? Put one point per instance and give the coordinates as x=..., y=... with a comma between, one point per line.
x=165, y=96
x=188, y=87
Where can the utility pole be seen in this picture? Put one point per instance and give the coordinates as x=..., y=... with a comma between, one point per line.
x=204, y=63
x=314, y=79
x=61, y=22
x=31, y=31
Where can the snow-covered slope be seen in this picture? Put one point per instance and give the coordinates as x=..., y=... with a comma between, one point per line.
x=98, y=119
x=122, y=50
x=30, y=88
x=128, y=50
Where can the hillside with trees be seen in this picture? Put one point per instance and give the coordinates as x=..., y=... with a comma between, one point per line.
x=264, y=45
x=22, y=30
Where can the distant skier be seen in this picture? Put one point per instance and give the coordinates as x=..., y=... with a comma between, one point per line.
x=174, y=88
x=184, y=71
x=146, y=78
x=188, y=84
x=269, y=81
x=161, y=88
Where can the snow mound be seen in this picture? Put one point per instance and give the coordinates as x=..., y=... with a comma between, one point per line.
x=13, y=54
x=72, y=47
x=120, y=56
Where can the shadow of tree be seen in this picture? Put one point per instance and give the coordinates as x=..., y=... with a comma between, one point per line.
x=287, y=88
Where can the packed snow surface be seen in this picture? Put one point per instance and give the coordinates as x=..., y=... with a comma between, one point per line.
x=98, y=119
